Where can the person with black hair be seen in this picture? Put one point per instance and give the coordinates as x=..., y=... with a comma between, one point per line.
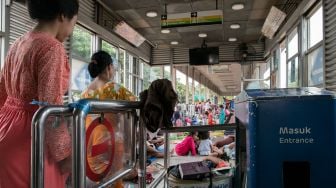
x=188, y=144
x=205, y=146
x=221, y=114
x=36, y=67
x=101, y=69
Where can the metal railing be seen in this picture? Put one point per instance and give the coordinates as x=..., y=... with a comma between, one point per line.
x=79, y=111
x=37, y=141
x=82, y=109
x=226, y=126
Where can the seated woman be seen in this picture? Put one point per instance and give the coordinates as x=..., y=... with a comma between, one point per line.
x=158, y=142
x=155, y=147
x=187, y=145
x=152, y=151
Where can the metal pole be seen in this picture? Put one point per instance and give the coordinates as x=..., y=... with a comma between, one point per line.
x=134, y=122
x=142, y=155
x=167, y=156
x=104, y=184
x=83, y=107
x=37, y=141
x=78, y=149
x=200, y=128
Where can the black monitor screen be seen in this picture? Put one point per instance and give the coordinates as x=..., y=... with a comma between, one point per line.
x=203, y=56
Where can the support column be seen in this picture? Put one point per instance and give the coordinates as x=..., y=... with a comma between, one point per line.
x=187, y=84
x=193, y=85
x=173, y=76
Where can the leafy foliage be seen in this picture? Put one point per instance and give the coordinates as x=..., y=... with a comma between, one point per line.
x=146, y=76
x=110, y=49
x=81, y=44
x=181, y=92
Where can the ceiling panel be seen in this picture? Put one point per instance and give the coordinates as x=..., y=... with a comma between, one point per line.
x=139, y=24
x=116, y=5
x=251, y=20
x=129, y=14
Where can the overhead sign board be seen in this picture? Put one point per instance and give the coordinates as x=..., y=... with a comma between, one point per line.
x=192, y=18
x=273, y=21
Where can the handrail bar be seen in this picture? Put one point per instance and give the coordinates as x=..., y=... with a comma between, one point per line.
x=231, y=126
x=37, y=141
x=82, y=109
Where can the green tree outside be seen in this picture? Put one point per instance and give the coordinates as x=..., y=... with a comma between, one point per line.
x=181, y=91
x=109, y=48
x=146, y=76
x=81, y=44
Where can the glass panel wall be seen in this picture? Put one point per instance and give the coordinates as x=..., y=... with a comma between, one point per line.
x=81, y=46
x=121, y=61
x=293, y=43
x=113, y=51
x=293, y=72
x=146, y=75
x=283, y=63
x=155, y=73
x=190, y=90
x=167, y=72
x=181, y=86
x=315, y=67
x=2, y=32
x=292, y=60
x=315, y=27
x=314, y=52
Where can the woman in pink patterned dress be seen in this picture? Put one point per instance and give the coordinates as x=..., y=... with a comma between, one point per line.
x=36, y=67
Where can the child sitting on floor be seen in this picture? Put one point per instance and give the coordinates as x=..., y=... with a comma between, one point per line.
x=205, y=146
x=188, y=144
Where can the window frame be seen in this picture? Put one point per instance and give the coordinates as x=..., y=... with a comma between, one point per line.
x=170, y=70
x=283, y=46
x=287, y=45
x=298, y=72
x=295, y=55
x=147, y=81
x=307, y=23
x=311, y=49
x=117, y=68
x=4, y=26
x=93, y=44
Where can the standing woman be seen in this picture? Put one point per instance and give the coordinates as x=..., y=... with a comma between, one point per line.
x=102, y=87
x=36, y=67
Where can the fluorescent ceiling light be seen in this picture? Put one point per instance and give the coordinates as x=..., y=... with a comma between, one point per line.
x=151, y=14
x=232, y=39
x=226, y=67
x=202, y=35
x=234, y=26
x=174, y=42
x=231, y=87
x=165, y=31
x=237, y=6
x=273, y=21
